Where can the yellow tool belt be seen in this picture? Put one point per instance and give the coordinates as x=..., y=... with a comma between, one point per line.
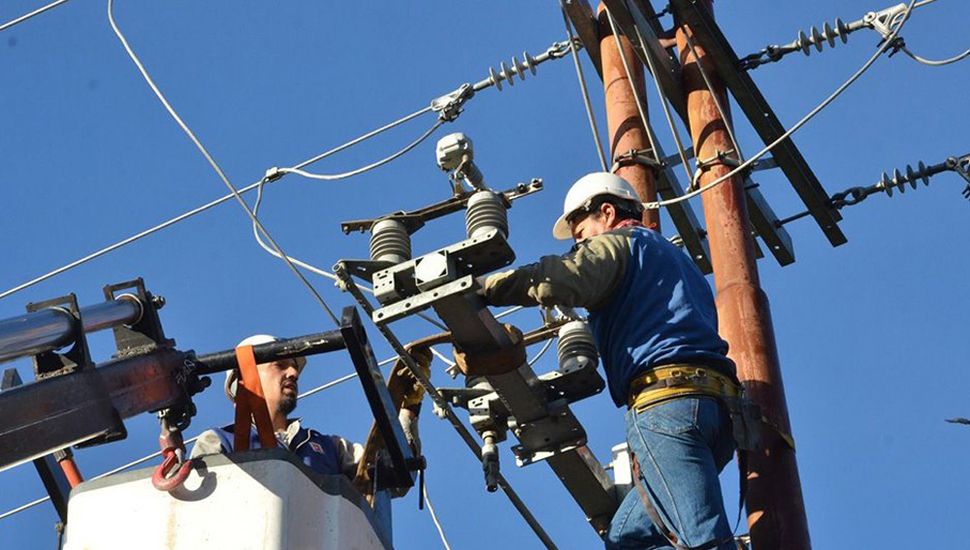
x=679, y=380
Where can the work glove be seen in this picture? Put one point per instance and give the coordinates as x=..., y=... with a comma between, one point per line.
x=409, y=424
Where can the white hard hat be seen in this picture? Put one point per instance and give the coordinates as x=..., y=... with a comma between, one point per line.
x=232, y=376
x=587, y=187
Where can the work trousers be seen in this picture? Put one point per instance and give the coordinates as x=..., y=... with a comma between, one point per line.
x=682, y=445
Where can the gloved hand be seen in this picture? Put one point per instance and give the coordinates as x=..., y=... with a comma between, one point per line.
x=409, y=424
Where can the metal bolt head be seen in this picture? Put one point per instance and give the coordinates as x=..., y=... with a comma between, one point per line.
x=158, y=302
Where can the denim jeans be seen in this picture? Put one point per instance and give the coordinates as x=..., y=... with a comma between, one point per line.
x=681, y=445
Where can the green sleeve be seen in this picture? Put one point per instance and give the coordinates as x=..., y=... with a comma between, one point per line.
x=586, y=277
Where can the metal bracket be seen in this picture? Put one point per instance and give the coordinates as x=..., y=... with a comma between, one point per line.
x=146, y=334
x=415, y=219
x=50, y=363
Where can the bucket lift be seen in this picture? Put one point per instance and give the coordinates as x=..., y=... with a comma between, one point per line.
x=265, y=497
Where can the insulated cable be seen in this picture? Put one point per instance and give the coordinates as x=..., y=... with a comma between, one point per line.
x=665, y=103
x=434, y=518
x=721, y=111
x=214, y=165
x=309, y=267
x=932, y=62
x=448, y=107
x=885, y=45
x=582, y=87
x=633, y=88
x=361, y=170
x=27, y=16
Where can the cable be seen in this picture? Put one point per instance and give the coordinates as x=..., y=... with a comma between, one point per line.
x=309, y=267
x=633, y=88
x=717, y=101
x=443, y=357
x=361, y=170
x=665, y=103
x=545, y=348
x=27, y=16
x=932, y=62
x=885, y=45
x=582, y=87
x=213, y=164
x=434, y=517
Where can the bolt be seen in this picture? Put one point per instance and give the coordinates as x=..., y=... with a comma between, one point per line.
x=158, y=302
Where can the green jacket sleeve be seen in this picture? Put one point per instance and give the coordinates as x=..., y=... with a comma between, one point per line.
x=586, y=277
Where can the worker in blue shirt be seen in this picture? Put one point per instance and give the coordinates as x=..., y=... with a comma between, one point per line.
x=653, y=318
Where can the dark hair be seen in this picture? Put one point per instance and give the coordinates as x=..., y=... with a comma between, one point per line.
x=625, y=209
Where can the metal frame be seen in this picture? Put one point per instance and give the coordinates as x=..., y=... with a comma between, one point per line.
x=375, y=389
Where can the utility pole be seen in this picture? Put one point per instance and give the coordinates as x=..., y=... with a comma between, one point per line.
x=776, y=511
x=626, y=130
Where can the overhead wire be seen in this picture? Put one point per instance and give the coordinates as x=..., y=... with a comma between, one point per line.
x=434, y=518
x=215, y=166
x=310, y=267
x=27, y=16
x=883, y=47
x=633, y=88
x=582, y=86
x=373, y=165
x=665, y=104
x=932, y=62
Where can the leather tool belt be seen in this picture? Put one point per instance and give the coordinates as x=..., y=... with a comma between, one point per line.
x=682, y=380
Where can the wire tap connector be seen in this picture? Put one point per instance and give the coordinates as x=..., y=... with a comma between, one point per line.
x=882, y=22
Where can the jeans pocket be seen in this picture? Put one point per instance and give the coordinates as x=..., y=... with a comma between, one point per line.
x=673, y=417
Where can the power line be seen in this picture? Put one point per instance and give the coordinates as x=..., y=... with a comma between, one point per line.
x=434, y=518
x=27, y=16
x=633, y=88
x=932, y=62
x=215, y=166
x=582, y=87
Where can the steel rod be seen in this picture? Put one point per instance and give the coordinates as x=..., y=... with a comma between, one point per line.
x=290, y=348
x=53, y=328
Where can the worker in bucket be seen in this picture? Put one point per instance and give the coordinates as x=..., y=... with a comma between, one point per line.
x=325, y=454
x=654, y=322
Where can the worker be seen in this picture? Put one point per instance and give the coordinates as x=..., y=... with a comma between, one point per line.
x=325, y=454
x=654, y=322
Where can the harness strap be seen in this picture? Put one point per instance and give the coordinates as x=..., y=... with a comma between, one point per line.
x=251, y=404
x=658, y=521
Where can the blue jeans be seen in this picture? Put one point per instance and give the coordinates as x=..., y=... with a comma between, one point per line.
x=681, y=445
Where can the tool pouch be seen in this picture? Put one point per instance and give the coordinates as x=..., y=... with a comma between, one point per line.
x=745, y=422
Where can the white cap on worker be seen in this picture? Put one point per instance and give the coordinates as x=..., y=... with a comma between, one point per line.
x=583, y=191
x=232, y=376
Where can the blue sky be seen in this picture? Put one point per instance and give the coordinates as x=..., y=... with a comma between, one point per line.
x=872, y=335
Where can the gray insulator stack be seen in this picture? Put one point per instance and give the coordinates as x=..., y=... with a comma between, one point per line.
x=486, y=211
x=576, y=347
x=390, y=242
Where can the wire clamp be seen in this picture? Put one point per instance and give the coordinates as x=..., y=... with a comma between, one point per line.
x=961, y=166
x=449, y=106
x=720, y=158
x=638, y=156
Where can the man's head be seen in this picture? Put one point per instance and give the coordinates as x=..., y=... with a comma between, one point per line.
x=595, y=204
x=278, y=379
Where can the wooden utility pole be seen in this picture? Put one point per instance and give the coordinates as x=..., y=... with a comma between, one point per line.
x=626, y=129
x=776, y=511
